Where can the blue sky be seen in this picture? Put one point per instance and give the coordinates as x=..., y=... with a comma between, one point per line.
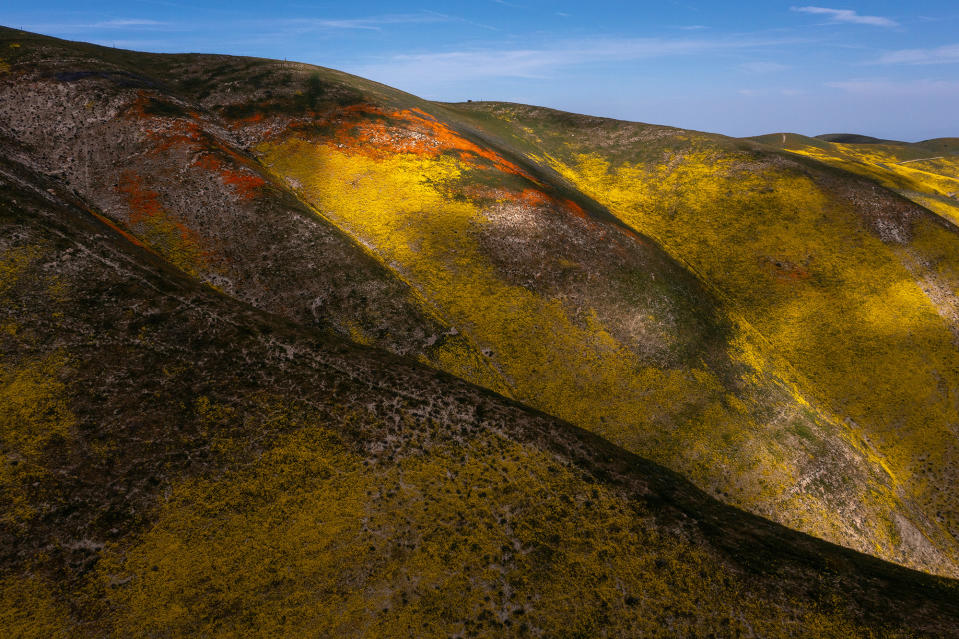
x=889, y=69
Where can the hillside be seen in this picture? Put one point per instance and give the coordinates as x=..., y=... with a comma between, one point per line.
x=312, y=188
x=846, y=290
x=208, y=262
x=853, y=138
x=925, y=172
x=180, y=464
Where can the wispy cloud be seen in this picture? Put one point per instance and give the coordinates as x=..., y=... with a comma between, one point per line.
x=763, y=67
x=939, y=55
x=118, y=23
x=373, y=23
x=753, y=93
x=887, y=87
x=279, y=26
x=138, y=45
x=127, y=22
x=848, y=16
x=543, y=62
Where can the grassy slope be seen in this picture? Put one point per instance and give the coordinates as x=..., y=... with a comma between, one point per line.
x=177, y=463
x=925, y=172
x=852, y=286
x=496, y=269
x=594, y=325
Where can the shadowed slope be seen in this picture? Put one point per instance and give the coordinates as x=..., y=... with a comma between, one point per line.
x=170, y=174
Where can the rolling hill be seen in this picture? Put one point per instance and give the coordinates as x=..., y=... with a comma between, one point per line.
x=847, y=288
x=282, y=346
x=925, y=172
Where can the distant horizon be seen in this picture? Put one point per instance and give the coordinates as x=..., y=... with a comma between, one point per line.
x=882, y=70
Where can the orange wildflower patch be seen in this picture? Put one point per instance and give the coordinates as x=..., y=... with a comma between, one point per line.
x=179, y=133
x=536, y=197
x=209, y=162
x=165, y=132
x=370, y=130
x=527, y=197
x=143, y=202
x=246, y=184
x=160, y=230
x=252, y=119
x=575, y=209
x=139, y=108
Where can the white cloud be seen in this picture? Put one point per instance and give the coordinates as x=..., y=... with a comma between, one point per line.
x=374, y=23
x=939, y=55
x=886, y=87
x=119, y=23
x=848, y=15
x=763, y=67
x=128, y=22
x=542, y=62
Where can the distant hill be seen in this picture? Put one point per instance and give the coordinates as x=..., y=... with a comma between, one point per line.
x=853, y=138
x=288, y=352
x=925, y=172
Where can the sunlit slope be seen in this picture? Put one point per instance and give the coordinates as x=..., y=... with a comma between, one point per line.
x=585, y=320
x=854, y=287
x=925, y=172
x=177, y=464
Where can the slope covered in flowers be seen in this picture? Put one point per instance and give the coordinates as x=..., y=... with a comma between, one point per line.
x=854, y=288
x=584, y=319
x=235, y=474
x=925, y=172
x=192, y=447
